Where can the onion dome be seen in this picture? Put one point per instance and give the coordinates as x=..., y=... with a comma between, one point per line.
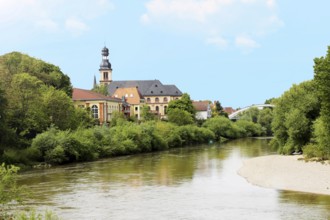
x=105, y=65
x=105, y=52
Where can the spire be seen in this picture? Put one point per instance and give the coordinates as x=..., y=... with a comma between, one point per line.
x=105, y=68
x=94, y=84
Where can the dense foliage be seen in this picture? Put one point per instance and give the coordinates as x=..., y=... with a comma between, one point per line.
x=321, y=147
x=294, y=115
x=34, y=95
x=184, y=103
x=51, y=75
x=302, y=115
x=40, y=125
x=58, y=147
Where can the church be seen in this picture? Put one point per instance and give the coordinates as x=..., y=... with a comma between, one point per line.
x=138, y=92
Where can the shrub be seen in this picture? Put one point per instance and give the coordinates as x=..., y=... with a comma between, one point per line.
x=222, y=127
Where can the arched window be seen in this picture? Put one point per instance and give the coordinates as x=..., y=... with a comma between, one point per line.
x=148, y=100
x=165, y=99
x=95, y=111
x=165, y=110
x=157, y=100
x=157, y=108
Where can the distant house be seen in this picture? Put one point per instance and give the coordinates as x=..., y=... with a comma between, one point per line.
x=203, y=109
x=151, y=92
x=228, y=110
x=102, y=107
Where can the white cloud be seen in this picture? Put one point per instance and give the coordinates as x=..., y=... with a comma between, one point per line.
x=271, y=3
x=217, y=41
x=48, y=25
x=50, y=15
x=230, y=18
x=75, y=26
x=245, y=43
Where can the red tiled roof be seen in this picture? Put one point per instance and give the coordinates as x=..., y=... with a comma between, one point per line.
x=83, y=94
x=200, y=105
x=228, y=110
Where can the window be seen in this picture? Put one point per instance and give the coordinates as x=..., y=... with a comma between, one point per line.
x=95, y=111
x=148, y=99
x=165, y=99
x=136, y=108
x=157, y=100
x=165, y=110
x=105, y=75
x=157, y=108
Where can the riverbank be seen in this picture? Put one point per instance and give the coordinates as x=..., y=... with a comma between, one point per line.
x=287, y=173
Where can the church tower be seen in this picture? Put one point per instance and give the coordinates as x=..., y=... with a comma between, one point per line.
x=105, y=68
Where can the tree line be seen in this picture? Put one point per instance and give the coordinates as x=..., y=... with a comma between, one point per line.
x=39, y=124
x=301, y=120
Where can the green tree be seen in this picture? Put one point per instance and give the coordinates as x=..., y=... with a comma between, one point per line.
x=4, y=131
x=102, y=89
x=26, y=115
x=218, y=110
x=322, y=79
x=59, y=108
x=185, y=103
x=222, y=127
x=16, y=63
x=251, y=114
x=180, y=117
x=146, y=114
x=265, y=119
x=294, y=114
x=270, y=101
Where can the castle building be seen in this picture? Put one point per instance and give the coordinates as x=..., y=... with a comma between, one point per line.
x=138, y=92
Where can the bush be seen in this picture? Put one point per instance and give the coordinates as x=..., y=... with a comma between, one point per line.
x=180, y=117
x=222, y=127
x=249, y=128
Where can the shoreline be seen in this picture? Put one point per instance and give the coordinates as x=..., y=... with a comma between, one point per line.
x=287, y=173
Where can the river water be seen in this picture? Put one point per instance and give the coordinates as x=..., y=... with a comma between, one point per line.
x=187, y=183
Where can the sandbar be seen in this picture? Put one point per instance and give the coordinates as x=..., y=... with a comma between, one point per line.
x=287, y=173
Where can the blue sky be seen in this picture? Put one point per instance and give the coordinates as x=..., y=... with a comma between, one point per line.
x=240, y=52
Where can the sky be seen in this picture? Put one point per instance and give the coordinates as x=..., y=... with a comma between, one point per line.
x=240, y=52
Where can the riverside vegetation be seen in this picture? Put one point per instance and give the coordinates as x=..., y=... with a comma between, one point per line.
x=39, y=125
x=301, y=120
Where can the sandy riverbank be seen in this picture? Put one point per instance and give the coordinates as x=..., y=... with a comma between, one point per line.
x=287, y=173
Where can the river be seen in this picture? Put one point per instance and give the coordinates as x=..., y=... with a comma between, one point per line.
x=187, y=183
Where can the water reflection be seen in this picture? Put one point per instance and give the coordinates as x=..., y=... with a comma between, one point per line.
x=187, y=183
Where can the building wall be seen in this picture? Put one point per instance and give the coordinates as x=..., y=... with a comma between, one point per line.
x=159, y=103
x=105, y=108
x=202, y=115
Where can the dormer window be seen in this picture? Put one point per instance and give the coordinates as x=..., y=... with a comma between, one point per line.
x=156, y=85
